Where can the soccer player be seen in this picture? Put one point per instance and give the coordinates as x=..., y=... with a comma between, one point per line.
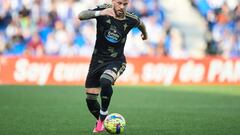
x=108, y=61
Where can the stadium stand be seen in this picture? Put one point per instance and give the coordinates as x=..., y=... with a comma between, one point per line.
x=40, y=27
x=223, y=23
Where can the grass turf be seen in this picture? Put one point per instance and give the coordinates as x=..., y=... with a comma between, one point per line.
x=179, y=110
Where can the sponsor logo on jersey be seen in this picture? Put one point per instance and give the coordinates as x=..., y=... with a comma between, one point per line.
x=112, y=35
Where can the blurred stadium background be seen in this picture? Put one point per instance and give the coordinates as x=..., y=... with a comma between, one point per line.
x=177, y=29
x=191, y=60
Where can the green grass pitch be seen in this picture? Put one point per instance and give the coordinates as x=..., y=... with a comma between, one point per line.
x=149, y=110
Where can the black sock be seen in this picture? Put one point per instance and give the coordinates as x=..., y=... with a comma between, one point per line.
x=93, y=104
x=106, y=94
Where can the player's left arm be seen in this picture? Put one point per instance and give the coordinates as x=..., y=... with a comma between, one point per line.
x=142, y=28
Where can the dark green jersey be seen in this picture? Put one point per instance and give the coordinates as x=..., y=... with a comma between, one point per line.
x=112, y=35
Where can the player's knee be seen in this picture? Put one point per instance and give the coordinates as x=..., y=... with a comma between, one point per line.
x=104, y=82
x=93, y=90
x=106, y=85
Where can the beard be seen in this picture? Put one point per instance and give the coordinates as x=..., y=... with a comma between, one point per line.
x=119, y=13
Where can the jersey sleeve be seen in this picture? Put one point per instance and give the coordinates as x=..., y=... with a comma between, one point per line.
x=134, y=19
x=137, y=22
x=101, y=7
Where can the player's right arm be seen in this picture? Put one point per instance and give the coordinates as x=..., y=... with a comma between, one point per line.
x=89, y=14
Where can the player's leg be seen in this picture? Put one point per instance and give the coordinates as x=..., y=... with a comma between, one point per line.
x=94, y=107
x=92, y=102
x=93, y=89
x=107, y=79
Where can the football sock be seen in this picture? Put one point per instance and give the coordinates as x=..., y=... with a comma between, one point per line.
x=103, y=115
x=106, y=94
x=93, y=105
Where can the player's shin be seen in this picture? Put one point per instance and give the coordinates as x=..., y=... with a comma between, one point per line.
x=106, y=94
x=93, y=105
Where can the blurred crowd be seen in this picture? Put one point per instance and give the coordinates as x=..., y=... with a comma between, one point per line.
x=51, y=27
x=223, y=23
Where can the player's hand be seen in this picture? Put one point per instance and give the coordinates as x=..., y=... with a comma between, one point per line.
x=108, y=12
x=144, y=36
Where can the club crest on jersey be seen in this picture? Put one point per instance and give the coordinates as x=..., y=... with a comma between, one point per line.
x=112, y=35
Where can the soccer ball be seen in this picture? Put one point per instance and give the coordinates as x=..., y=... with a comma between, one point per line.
x=114, y=123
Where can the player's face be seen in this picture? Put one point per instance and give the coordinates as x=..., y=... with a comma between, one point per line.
x=120, y=7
